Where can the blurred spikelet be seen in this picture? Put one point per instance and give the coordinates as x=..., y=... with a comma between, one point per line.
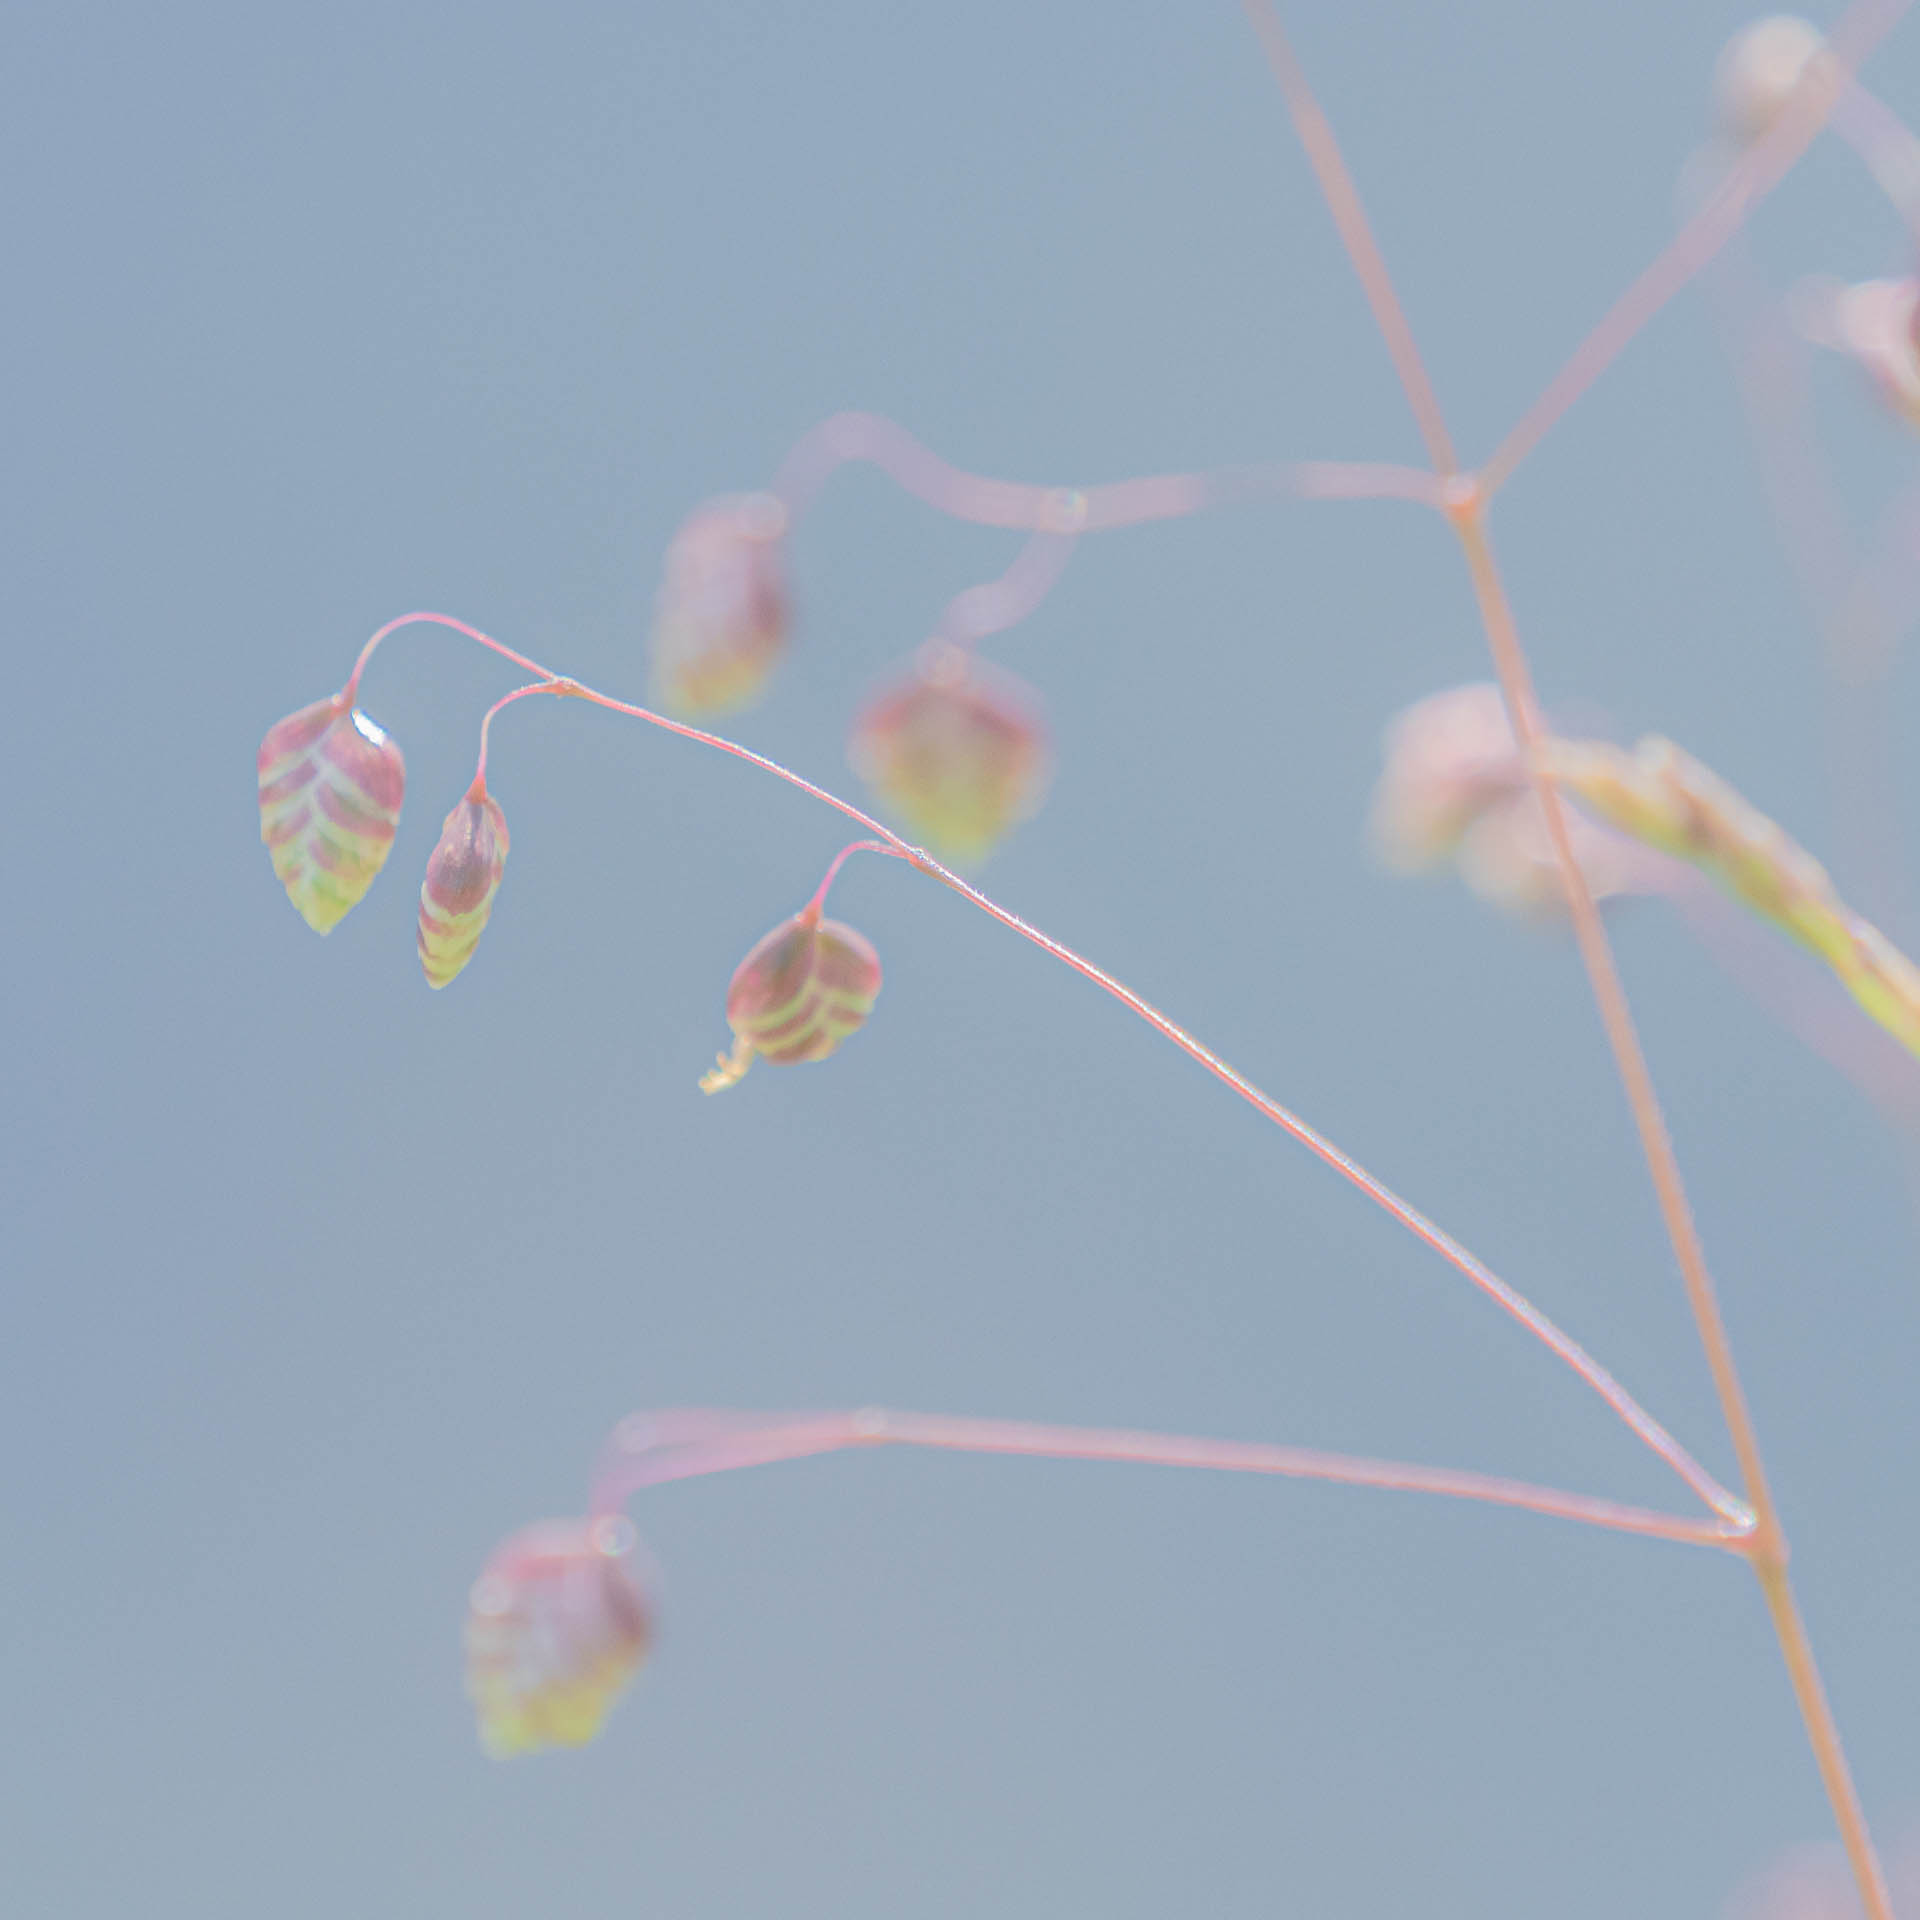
x=721, y=620
x=462, y=878
x=800, y=992
x=1453, y=787
x=1447, y=759
x=331, y=783
x=1877, y=324
x=957, y=749
x=1669, y=801
x=557, y=1625
x=1757, y=72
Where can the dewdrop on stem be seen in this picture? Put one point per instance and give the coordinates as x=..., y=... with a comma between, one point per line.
x=557, y=1624
x=802, y=990
x=957, y=748
x=331, y=783
x=721, y=620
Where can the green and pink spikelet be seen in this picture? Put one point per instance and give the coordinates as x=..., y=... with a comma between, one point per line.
x=331, y=783
x=557, y=1624
x=957, y=748
x=800, y=992
x=463, y=876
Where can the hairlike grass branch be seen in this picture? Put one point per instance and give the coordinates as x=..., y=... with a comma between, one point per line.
x=1718, y=1499
x=871, y=439
x=1468, y=498
x=650, y=1449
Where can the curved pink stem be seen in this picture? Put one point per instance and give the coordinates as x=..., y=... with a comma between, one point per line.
x=999, y=604
x=650, y=1450
x=1636, y=1418
x=1356, y=232
x=478, y=790
x=440, y=620
x=873, y=439
x=840, y=859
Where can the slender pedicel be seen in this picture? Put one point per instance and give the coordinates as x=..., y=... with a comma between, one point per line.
x=650, y=1449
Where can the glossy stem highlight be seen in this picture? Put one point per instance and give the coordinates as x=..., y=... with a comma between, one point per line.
x=840, y=859
x=478, y=790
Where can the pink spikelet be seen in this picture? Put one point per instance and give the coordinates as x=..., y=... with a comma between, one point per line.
x=1454, y=787
x=721, y=620
x=1880, y=325
x=1449, y=758
x=797, y=995
x=557, y=1624
x=331, y=783
x=463, y=876
x=958, y=748
x=1877, y=324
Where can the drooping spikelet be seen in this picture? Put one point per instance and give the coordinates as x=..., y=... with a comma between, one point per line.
x=1668, y=800
x=557, y=1624
x=462, y=877
x=722, y=616
x=797, y=995
x=957, y=748
x=331, y=783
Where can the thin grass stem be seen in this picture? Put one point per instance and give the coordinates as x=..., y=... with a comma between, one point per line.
x=652, y=1450
x=1468, y=500
x=1356, y=232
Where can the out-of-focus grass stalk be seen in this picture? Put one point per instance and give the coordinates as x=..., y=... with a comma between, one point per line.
x=1467, y=497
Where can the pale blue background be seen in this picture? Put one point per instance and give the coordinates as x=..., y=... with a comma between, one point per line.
x=318, y=1283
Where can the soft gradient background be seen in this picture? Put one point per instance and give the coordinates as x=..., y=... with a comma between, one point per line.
x=319, y=1283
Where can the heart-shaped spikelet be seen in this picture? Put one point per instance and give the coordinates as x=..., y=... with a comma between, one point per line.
x=958, y=748
x=557, y=1624
x=462, y=877
x=797, y=995
x=331, y=783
